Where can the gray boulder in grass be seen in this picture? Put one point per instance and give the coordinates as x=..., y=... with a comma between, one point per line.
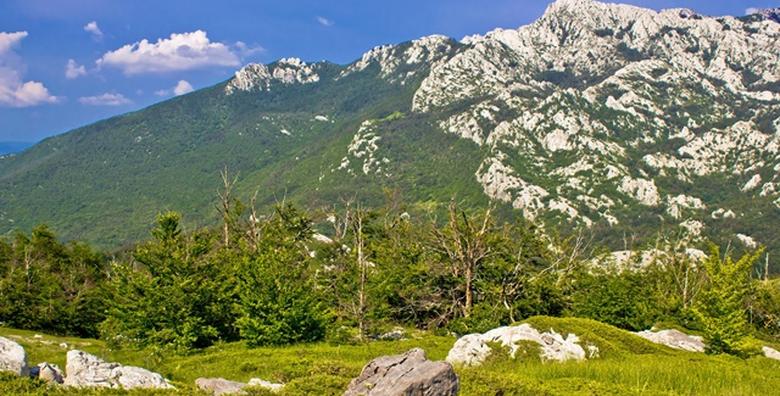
x=771, y=352
x=674, y=339
x=47, y=372
x=221, y=386
x=13, y=358
x=402, y=375
x=86, y=370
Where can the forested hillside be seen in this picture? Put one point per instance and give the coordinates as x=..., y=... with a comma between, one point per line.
x=607, y=118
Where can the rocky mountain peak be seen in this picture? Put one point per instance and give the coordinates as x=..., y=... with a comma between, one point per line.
x=397, y=62
x=255, y=76
x=564, y=77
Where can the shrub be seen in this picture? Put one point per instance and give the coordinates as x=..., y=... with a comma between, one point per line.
x=169, y=295
x=620, y=299
x=278, y=303
x=721, y=308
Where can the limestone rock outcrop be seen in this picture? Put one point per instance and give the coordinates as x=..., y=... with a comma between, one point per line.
x=86, y=370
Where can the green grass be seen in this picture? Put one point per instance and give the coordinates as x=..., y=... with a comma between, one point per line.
x=628, y=365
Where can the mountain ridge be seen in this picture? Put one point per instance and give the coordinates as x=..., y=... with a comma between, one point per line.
x=612, y=118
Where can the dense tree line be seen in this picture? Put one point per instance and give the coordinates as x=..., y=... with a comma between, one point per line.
x=282, y=277
x=45, y=284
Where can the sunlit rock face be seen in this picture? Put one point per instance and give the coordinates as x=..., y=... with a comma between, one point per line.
x=599, y=106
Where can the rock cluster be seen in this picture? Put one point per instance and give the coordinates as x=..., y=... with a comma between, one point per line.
x=408, y=374
x=473, y=349
x=85, y=370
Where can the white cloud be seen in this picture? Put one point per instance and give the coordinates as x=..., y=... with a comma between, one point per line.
x=106, y=99
x=94, y=30
x=325, y=21
x=182, y=87
x=8, y=40
x=181, y=51
x=73, y=70
x=30, y=93
x=14, y=91
x=245, y=50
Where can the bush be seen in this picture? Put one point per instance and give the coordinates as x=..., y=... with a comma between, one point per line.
x=765, y=308
x=621, y=299
x=170, y=294
x=278, y=303
x=721, y=308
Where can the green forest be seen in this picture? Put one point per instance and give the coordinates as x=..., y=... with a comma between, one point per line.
x=348, y=273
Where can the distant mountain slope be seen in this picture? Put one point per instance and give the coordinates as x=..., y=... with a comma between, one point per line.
x=612, y=118
x=13, y=147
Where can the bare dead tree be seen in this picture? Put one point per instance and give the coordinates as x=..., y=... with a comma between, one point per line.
x=464, y=242
x=225, y=204
x=362, y=268
x=28, y=265
x=766, y=268
x=570, y=252
x=253, y=229
x=687, y=277
x=342, y=223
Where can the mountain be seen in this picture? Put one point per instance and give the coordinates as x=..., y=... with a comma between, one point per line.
x=609, y=118
x=13, y=147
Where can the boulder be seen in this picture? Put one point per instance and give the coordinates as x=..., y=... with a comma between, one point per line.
x=13, y=359
x=85, y=370
x=220, y=386
x=469, y=350
x=394, y=335
x=260, y=383
x=47, y=372
x=130, y=377
x=674, y=339
x=771, y=353
x=408, y=374
x=473, y=349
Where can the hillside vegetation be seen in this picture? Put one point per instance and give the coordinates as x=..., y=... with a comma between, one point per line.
x=606, y=118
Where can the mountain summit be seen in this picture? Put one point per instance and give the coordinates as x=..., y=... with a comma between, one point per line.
x=613, y=118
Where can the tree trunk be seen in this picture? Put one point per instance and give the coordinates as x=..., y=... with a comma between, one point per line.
x=362, y=267
x=766, y=268
x=469, y=293
x=225, y=204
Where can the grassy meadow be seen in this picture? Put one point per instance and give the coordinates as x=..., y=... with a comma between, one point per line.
x=628, y=365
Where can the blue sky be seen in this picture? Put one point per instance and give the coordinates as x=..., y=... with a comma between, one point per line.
x=67, y=63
